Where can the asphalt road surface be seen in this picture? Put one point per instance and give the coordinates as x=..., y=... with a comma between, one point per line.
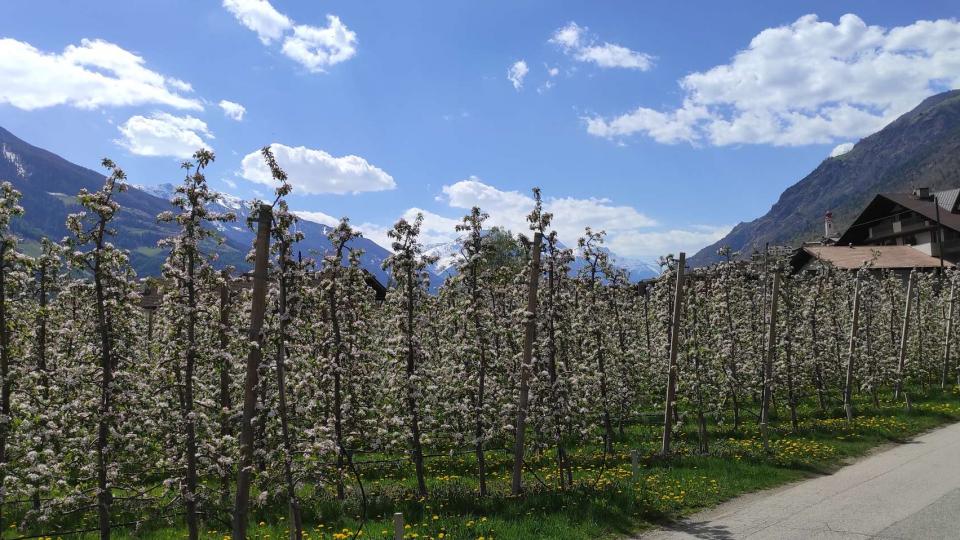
x=911, y=491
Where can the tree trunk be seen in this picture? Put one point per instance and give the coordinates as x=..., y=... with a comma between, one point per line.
x=337, y=377
x=734, y=379
x=226, y=403
x=6, y=387
x=481, y=383
x=296, y=522
x=190, y=497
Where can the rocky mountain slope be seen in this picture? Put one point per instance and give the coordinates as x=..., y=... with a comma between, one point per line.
x=919, y=149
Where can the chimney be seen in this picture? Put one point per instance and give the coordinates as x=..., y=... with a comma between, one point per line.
x=828, y=231
x=922, y=193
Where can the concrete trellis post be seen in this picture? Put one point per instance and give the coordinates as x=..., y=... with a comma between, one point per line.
x=529, y=339
x=397, y=526
x=904, y=334
x=672, y=365
x=257, y=313
x=946, y=338
x=854, y=329
x=768, y=362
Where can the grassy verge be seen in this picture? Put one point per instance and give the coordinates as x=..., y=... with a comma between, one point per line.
x=607, y=500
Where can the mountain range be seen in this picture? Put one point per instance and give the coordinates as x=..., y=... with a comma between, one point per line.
x=919, y=149
x=49, y=185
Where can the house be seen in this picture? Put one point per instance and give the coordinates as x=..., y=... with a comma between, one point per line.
x=896, y=231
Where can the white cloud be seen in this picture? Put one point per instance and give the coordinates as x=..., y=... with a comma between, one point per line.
x=646, y=245
x=317, y=48
x=234, y=111
x=518, y=70
x=630, y=233
x=94, y=74
x=162, y=134
x=668, y=128
x=808, y=82
x=841, y=149
x=435, y=229
x=314, y=47
x=509, y=209
x=577, y=43
x=317, y=217
x=313, y=171
x=261, y=17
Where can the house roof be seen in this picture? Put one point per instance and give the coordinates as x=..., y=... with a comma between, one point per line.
x=927, y=208
x=886, y=204
x=854, y=257
x=948, y=199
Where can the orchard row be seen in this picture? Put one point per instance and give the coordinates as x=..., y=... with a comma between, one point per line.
x=236, y=392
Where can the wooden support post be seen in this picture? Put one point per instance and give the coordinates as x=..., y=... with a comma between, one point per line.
x=768, y=362
x=397, y=526
x=903, y=336
x=672, y=364
x=635, y=464
x=529, y=340
x=254, y=354
x=946, y=338
x=854, y=328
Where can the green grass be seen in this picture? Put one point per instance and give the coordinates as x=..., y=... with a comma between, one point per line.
x=607, y=501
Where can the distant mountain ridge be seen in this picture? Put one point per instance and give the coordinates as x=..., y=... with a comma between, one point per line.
x=314, y=244
x=49, y=185
x=919, y=149
x=448, y=253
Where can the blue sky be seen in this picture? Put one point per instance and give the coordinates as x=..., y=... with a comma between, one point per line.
x=664, y=123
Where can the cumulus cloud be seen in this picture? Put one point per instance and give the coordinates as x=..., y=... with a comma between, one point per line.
x=576, y=41
x=841, y=149
x=163, y=134
x=319, y=47
x=234, y=111
x=94, y=74
x=313, y=171
x=317, y=217
x=630, y=233
x=518, y=70
x=314, y=47
x=646, y=245
x=261, y=17
x=435, y=229
x=509, y=209
x=663, y=127
x=808, y=82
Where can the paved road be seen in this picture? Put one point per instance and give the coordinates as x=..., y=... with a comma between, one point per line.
x=911, y=491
